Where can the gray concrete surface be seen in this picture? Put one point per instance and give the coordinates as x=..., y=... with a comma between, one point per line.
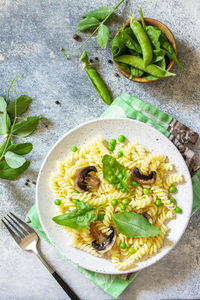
x=30, y=36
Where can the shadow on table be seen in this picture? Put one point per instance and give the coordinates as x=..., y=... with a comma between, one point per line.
x=184, y=88
x=171, y=271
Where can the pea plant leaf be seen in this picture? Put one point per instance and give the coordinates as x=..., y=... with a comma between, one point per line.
x=20, y=149
x=26, y=126
x=103, y=36
x=134, y=225
x=87, y=23
x=4, y=123
x=21, y=103
x=99, y=13
x=78, y=218
x=9, y=173
x=3, y=105
x=14, y=160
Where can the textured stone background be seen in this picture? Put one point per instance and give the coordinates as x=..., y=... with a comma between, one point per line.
x=30, y=36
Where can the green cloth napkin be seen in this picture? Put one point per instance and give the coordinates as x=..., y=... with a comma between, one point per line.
x=124, y=106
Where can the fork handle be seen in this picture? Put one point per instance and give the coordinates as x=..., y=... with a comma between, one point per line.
x=65, y=287
x=61, y=282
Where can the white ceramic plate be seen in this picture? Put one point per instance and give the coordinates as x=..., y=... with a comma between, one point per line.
x=145, y=135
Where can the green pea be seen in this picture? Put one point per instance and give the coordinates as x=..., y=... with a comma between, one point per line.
x=172, y=189
x=114, y=202
x=76, y=192
x=120, y=154
x=121, y=138
x=145, y=191
x=123, y=190
x=131, y=250
x=158, y=202
x=57, y=202
x=178, y=210
x=74, y=148
x=76, y=201
x=134, y=184
x=172, y=200
x=123, y=206
x=122, y=245
x=111, y=147
x=125, y=201
x=100, y=217
x=113, y=142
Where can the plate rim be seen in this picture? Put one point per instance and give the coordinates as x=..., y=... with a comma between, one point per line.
x=37, y=198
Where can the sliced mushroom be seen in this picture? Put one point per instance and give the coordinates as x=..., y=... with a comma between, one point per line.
x=148, y=217
x=102, y=244
x=83, y=181
x=143, y=179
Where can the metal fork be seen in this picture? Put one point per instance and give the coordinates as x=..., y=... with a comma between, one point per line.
x=27, y=239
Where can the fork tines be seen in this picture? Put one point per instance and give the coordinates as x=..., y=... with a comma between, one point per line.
x=17, y=228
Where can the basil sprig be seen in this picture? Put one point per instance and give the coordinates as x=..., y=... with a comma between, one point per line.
x=12, y=161
x=134, y=225
x=79, y=218
x=115, y=173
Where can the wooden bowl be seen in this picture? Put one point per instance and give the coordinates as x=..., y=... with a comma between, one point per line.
x=169, y=36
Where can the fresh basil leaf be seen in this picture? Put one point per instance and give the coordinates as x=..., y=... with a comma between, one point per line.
x=134, y=225
x=78, y=218
x=115, y=173
x=118, y=48
x=162, y=64
x=165, y=44
x=3, y=105
x=26, y=126
x=158, y=55
x=21, y=149
x=99, y=13
x=8, y=173
x=22, y=103
x=14, y=160
x=2, y=147
x=154, y=35
x=135, y=72
x=87, y=23
x=103, y=36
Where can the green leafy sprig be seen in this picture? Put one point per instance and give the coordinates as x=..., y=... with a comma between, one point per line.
x=12, y=160
x=96, y=19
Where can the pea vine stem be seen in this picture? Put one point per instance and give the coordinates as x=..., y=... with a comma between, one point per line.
x=13, y=125
x=86, y=41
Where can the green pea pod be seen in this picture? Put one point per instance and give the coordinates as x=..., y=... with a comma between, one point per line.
x=124, y=67
x=142, y=19
x=165, y=44
x=138, y=63
x=128, y=41
x=95, y=79
x=143, y=40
